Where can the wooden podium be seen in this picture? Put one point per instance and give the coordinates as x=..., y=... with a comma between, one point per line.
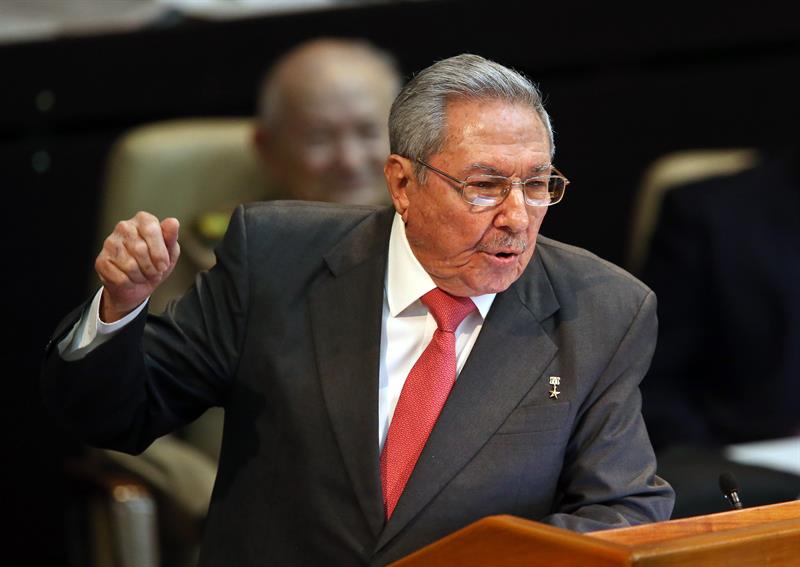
x=766, y=535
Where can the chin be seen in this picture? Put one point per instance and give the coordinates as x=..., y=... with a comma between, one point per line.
x=490, y=285
x=496, y=287
x=501, y=280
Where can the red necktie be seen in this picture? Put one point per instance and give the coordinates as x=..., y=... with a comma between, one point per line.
x=423, y=395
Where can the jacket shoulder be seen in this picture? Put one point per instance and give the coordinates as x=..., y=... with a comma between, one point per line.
x=303, y=225
x=573, y=267
x=304, y=214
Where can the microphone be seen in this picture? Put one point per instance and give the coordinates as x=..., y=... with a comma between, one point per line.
x=730, y=489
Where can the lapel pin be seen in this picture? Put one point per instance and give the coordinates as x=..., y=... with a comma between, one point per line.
x=555, y=381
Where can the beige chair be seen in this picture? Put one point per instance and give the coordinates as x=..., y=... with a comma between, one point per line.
x=670, y=171
x=181, y=168
x=196, y=170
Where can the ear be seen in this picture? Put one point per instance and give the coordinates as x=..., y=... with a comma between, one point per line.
x=400, y=178
x=260, y=140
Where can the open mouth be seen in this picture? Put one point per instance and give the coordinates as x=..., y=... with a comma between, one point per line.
x=503, y=257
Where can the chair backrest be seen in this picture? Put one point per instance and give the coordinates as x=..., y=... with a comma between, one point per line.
x=181, y=168
x=670, y=171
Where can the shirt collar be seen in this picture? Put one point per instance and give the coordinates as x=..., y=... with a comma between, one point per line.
x=407, y=280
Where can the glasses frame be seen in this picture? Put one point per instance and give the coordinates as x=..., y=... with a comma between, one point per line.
x=463, y=183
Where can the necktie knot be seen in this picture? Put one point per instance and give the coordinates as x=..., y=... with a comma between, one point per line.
x=448, y=310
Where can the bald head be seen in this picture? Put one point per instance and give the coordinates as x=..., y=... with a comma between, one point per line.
x=322, y=126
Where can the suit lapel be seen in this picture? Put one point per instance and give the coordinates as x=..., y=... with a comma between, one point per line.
x=345, y=306
x=510, y=355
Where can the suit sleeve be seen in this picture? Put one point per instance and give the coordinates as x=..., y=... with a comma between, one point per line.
x=159, y=372
x=609, y=479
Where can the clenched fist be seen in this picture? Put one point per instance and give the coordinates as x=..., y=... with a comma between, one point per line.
x=135, y=259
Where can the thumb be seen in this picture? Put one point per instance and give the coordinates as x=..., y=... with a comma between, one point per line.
x=170, y=227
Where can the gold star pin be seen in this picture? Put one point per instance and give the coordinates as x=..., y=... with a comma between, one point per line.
x=554, y=382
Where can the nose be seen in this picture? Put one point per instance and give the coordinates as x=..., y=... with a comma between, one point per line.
x=349, y=154
x=513, y=212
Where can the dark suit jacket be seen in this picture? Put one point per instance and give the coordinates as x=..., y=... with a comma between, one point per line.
x=284, y=332
x=725, y=263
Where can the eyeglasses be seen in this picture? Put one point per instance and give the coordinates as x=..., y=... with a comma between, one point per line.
x=490, y=190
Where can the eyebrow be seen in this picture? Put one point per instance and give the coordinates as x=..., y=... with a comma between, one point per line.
x=492, y=170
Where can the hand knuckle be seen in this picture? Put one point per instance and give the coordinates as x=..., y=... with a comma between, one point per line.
x=140, y=248
x=116, y=279
x=128, y=265
x=143, y=217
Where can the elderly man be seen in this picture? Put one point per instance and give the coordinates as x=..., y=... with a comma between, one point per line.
x=388, y=375
x=321, y=128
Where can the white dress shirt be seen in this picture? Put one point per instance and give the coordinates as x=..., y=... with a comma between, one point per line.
x=407, y=326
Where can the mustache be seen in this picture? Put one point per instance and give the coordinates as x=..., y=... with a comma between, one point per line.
x=504, y=242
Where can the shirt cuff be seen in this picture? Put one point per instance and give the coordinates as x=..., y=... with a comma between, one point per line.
x=90, y=332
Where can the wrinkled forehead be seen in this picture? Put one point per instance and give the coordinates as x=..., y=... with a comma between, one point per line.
x=484, y=128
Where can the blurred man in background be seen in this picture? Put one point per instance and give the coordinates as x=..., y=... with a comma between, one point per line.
x=322, y=121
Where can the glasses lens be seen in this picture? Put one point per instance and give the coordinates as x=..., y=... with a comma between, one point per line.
x=485, y=190
x=490, y=190
x=544, y=191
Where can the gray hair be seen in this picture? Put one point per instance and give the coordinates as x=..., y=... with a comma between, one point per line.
x=417, y=119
